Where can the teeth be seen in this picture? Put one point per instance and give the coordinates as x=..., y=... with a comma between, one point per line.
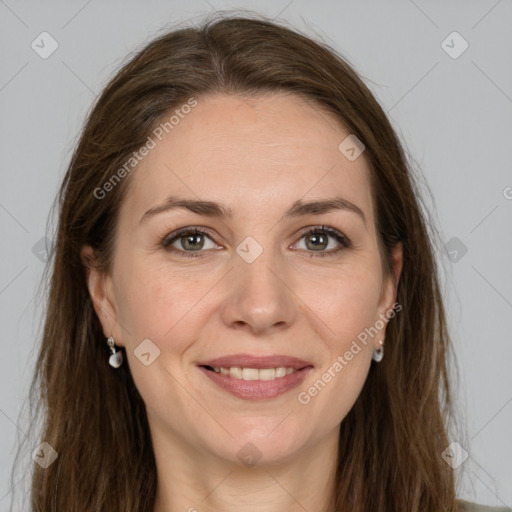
x=236, y=373
x=267, y=374
x=250, y=374
x=254, y=373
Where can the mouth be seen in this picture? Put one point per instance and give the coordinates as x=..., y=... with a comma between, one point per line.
x=256, y=378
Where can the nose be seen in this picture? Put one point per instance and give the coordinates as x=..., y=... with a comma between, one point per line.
x=259, y=298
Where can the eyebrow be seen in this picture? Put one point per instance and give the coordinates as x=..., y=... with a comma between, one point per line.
x=213, y=209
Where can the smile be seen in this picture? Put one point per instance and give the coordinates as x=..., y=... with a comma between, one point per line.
x=256, y=378
x=253, y=373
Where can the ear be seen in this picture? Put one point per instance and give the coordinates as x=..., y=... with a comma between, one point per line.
x=389, y=288
x=102, y=295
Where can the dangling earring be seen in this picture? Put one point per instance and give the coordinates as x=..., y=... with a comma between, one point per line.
x=116, y=358
x=378, y=354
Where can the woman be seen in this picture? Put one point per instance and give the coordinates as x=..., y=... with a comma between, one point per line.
x=239, y=244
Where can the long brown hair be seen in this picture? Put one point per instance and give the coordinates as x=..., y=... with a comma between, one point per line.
x=392, y=439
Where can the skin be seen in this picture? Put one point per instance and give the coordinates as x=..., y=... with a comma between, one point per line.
x=257, y=156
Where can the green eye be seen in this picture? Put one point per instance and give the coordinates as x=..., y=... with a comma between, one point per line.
x=191, y=240
x=318, y=238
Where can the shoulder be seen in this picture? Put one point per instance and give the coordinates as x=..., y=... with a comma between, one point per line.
x=466, y=506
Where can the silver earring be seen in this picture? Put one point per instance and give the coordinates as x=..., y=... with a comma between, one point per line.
x=378, y=354
x=116, y=358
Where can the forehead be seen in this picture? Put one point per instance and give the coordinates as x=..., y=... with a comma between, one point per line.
x=254, y=154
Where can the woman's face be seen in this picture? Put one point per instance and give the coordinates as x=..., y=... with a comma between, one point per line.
x=254, y=284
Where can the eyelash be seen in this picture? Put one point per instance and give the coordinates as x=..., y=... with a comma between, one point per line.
x=192, y=230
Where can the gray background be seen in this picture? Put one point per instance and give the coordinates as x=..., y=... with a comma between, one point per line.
x=454, y=116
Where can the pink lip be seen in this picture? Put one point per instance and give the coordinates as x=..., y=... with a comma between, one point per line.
x=248, y=361
x=257, y=389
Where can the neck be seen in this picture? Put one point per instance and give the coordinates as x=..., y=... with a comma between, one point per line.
x=197, y=481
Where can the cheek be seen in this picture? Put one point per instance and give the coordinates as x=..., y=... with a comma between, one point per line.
x=352, y=311
x=155, y=299
x=346, y=385
x=165, y=304
x=349, y=309
x=151, y=300
x=155, y=304
x=349, y=303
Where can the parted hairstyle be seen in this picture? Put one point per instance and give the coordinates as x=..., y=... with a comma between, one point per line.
x=392, y=440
